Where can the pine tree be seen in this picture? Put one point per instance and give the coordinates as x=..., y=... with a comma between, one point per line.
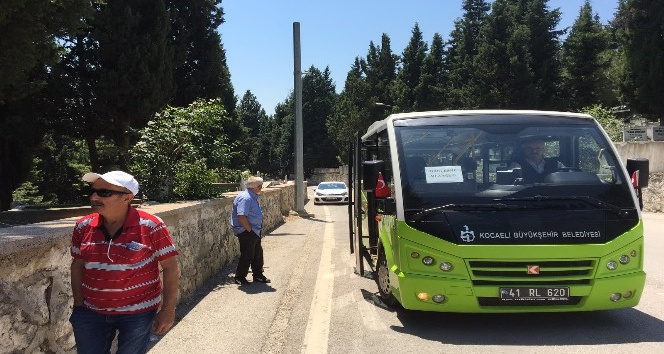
x=136, y=66
x=318, y=100
x=350, y=110
x=369, y=82
x=30, y=42
x=493, y=63
x=640, y=24
x=283, y=146
x=517, y=62
x=380, y=72
x=584, y=60
x=408, y=77
x=253, y=116
x=200, y=60
x=431, y=92
x=463, y=49
x=544, y=47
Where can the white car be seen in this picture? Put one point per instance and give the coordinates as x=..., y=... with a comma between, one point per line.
x=331, y=192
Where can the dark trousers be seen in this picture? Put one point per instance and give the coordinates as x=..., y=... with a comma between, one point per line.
x=251, y=254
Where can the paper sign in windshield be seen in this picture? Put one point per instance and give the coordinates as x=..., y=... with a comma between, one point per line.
x=444, y=174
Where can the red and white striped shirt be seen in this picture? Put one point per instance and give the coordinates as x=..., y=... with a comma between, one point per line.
x=121, y=275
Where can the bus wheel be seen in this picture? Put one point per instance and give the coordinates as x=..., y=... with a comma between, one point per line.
x=383, y=279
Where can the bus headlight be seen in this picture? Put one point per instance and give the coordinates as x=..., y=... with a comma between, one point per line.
x=615, y=297
x=428, y=260
x=438, y=298
x=611, y=265
x=446, y=266
x=624, y=259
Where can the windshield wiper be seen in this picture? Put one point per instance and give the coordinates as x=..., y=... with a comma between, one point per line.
x=474, y=207
x=589, y=200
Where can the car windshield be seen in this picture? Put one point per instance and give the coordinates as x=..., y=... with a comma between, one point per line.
x=503, y=158
x=338, y=185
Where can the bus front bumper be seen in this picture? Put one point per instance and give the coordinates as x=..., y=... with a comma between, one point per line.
x=424, y=293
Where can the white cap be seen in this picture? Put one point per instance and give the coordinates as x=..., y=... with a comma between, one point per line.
x=118, y=178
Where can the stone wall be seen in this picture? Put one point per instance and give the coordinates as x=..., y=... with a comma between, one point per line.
x=329, y=174
x=35, y=288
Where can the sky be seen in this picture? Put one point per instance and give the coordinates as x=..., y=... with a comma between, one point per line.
x=258, y=35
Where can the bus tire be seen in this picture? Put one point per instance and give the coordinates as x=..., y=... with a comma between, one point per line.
x=383, y=279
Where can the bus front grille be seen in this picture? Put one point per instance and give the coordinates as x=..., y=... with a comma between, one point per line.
x=554, y=272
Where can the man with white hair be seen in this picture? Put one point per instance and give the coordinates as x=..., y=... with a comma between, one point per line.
x=247, y=223
x=117, y=254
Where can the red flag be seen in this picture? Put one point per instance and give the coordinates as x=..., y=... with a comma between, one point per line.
x=382, y=190
x=635, y=179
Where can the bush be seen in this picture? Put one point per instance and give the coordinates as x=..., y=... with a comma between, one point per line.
x=607, y=119
x=182, y=151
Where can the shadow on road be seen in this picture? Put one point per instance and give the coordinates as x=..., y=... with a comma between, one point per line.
x=534, y=329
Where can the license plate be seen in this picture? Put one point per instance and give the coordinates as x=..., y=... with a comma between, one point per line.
x=537, y=294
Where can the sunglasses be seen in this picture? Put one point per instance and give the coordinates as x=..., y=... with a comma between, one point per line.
x=105, y=193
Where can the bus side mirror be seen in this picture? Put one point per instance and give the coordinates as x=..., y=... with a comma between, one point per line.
x=641, y=167
x=638, y=170
x=387, y=206
x=370, y=171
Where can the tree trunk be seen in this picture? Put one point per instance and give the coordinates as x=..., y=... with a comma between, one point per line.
x=94, y=154
x=122, y=141
x=5, y=176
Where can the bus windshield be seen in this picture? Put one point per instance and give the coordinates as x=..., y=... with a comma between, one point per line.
x=445, y=162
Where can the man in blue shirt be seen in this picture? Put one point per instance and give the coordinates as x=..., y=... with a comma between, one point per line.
x=247, y=223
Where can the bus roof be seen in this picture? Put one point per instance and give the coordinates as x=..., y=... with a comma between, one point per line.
x=380, y=125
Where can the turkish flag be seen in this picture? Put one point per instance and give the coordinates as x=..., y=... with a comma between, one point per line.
x=382, y=190
x=635, y=179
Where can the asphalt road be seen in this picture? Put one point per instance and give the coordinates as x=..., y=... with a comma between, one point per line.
x=317, y=304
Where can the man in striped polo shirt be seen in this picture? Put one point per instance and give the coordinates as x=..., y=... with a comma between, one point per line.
x=117, y=253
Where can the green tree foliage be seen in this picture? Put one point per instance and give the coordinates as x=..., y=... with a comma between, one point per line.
x=544, y=45
x=136, y=66
x=201, y=71
x=640, y=26
x=517, y=60
x=379, y=71
x=182, y=151
x=318, y=101
x=283, y=136
x=496, y=65
x=255, y=121
x=30, y=29
x=410, y=72
x=431, y=91
x=369, y=82
x=607, y=119
x=348, y=117
x=463, y=49
x=74, y=80
x=55, y=178
x=584, y=60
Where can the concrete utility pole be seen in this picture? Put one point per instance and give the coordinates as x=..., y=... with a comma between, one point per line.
x=299, y=167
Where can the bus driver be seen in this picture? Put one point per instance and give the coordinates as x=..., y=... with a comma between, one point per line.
x=534, y=166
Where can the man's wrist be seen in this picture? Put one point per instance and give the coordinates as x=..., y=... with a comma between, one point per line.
x=167, y=309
